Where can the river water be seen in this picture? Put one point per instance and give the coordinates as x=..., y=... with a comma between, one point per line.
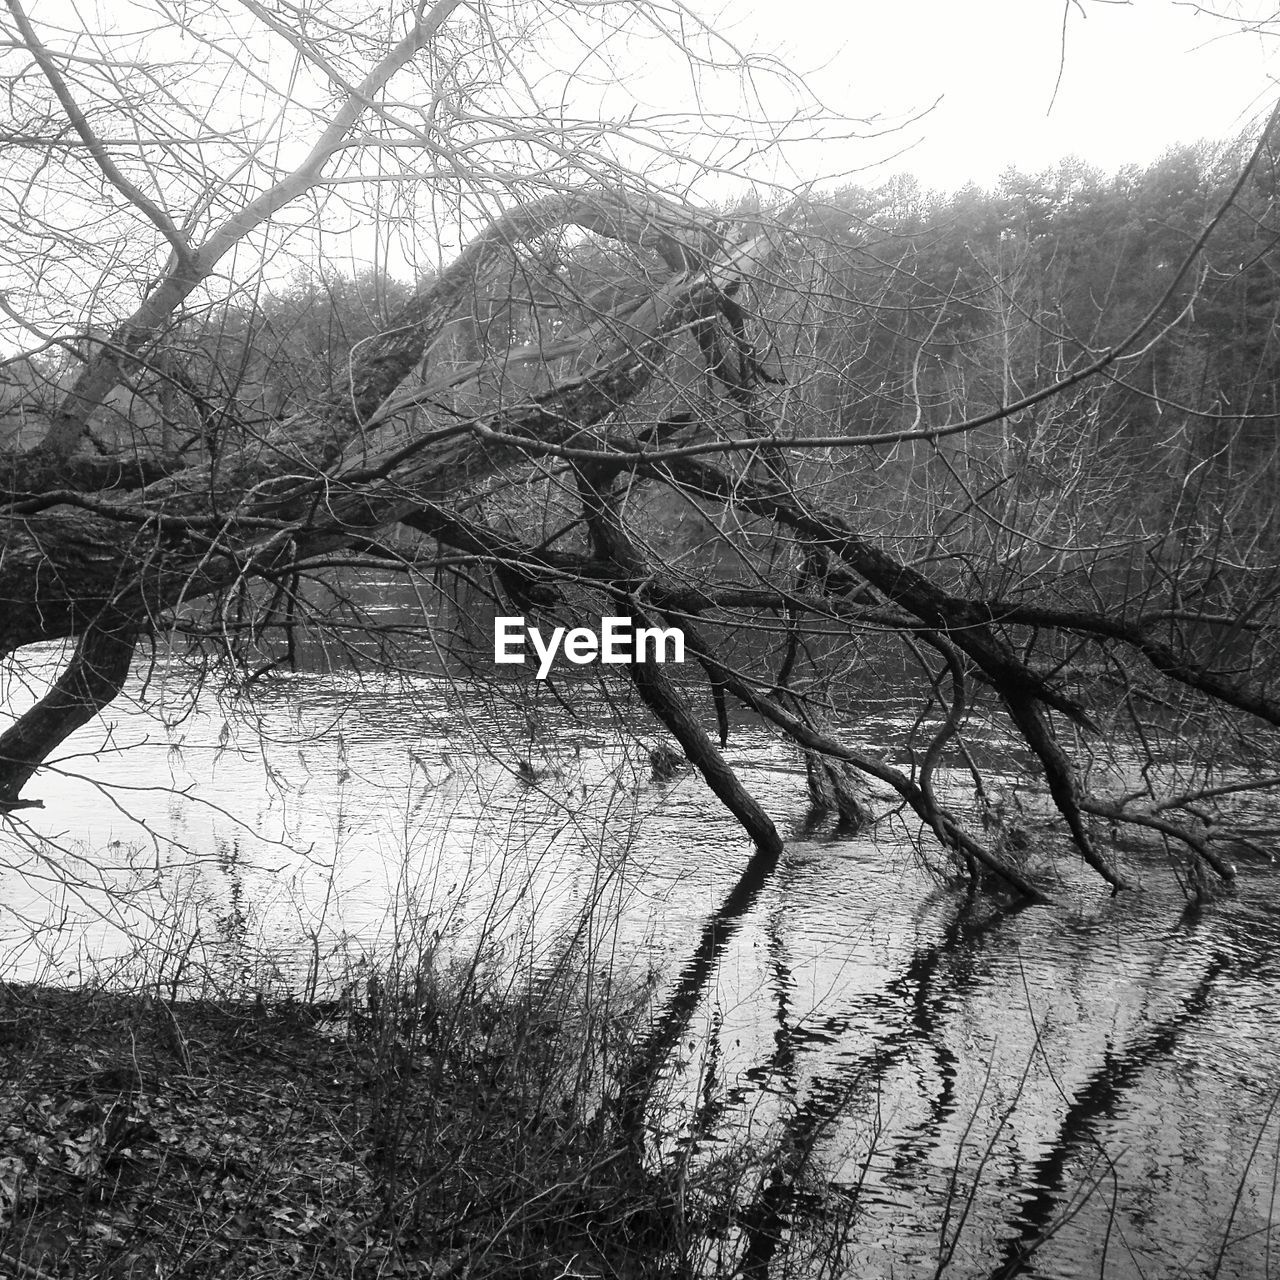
x=1102, y=1071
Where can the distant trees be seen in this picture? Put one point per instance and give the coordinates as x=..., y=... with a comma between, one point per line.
x=980, y=297
x=1012, y=445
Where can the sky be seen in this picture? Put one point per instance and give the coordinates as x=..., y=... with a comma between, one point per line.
x=1136, y=77
x=951, y=91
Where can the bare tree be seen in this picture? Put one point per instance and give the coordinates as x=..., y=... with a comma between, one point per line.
x=613, y=343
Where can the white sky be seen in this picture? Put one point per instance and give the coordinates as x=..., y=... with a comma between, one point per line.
x=1137, y=76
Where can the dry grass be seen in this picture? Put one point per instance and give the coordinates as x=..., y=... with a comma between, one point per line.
x=420, y=1134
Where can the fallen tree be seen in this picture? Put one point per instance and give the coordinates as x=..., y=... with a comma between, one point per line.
x=624, y=353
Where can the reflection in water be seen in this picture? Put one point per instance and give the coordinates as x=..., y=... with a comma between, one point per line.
x=690, y=987
x=1082, y=1090
x=1092, y=1104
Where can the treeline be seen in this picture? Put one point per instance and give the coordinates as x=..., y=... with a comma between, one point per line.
x=896, y=310
x=1044, y=270
x=908, y=311
x=892, y=310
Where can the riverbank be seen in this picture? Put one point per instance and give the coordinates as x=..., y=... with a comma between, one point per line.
x=380, y=1138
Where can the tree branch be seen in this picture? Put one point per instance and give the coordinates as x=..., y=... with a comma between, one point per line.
x=190, y=267
x=91, y=680
x=136, y=197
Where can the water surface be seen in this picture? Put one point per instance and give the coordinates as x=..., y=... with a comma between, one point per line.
x=971, y=1078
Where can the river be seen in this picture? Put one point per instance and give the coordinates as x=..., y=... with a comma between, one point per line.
x=1102, y=1070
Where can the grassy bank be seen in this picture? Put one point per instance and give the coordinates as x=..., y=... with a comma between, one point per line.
x=407, y=1133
